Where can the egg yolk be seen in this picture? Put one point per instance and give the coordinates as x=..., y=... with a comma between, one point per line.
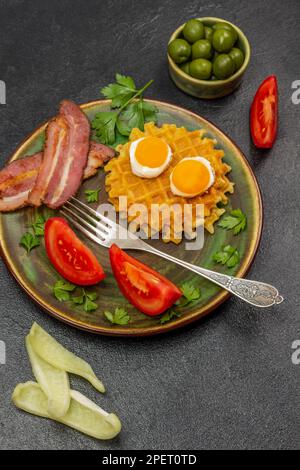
x=151, y=152
x=191, y=177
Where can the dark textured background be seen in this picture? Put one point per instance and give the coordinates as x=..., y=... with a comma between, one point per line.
x=228, y=381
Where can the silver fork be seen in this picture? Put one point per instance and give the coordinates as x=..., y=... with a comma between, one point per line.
x=105, y=232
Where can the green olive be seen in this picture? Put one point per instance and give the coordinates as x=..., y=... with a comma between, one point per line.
x=208, y=33
x=179, y=50
x=215, y=55
x=228, y=27
x=213, y=78
x=223, y=40
x=201, y=68
x=185, y=67
x=202, y=49
x=193, y=30
x=223, y=66
x=238, y=57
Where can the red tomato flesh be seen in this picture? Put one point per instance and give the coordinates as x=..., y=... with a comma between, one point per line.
x=146, y=289
x=70, y=257
x=264, y=114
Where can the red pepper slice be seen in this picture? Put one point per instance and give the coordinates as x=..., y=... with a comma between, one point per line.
x=70, y=257
x=264, y=114
x=146, y=289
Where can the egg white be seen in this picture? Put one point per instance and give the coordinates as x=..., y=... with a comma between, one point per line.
x=145, y=171
x=205, y=162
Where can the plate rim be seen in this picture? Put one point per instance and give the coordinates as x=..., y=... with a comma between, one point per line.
x=150, y=330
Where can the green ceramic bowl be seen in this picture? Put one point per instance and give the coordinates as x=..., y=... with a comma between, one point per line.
x=205, y=88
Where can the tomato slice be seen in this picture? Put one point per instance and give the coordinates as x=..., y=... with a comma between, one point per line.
x=146, y=289
x=70, y=257
x=264, y=114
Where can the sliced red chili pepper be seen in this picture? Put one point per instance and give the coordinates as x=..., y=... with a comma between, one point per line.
x=264, y=114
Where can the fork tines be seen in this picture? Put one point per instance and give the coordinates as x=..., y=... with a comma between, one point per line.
x=90, y=222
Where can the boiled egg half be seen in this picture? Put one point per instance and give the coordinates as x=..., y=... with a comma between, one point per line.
x=149, y=157
x=192, y=176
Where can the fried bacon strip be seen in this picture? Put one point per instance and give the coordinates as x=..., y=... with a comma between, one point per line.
x=98, y=155
x=65, y=157
x=17, y=179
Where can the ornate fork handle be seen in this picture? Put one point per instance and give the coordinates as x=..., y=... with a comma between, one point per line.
x=254, y=292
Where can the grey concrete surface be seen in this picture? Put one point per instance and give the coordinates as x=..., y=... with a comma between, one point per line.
x=226, y=382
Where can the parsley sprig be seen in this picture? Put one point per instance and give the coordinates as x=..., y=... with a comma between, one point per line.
x=38, y=226
x=63, y=290
x=92, y=195
x=86, y=299
x=169, y=315
x=228, y=256
x=29, y=241
x=236, y=221
x=31, y=238
x=129, y=110
x=121, y=91
x=190, y=294
x=119, y=317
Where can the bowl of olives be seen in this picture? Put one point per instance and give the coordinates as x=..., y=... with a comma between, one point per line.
x=208, y=57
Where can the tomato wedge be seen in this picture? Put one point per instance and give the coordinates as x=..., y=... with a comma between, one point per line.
x=70, y=257
x=264, y=114
x=146, y=289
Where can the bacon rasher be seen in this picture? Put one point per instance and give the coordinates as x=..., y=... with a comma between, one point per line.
x=65, y=157
x=17, y=179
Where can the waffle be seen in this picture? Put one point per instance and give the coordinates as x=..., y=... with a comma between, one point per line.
x=120, y=181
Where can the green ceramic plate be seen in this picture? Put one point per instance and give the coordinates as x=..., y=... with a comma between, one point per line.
x=37, y=276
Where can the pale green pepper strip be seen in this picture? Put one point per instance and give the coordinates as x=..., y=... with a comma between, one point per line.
x=54, y=383
x=54, y=353
x=82, y=415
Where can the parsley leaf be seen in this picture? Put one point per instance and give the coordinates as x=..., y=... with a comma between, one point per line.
x=104, y=125
x=87, y=300
x=38, y=226
x=190, y=292
x=125, y=81
x=131, y=117
x=91, y=295
x=119, y=317
x=78, y=300
x=169, y=315
x=89, y=305
x=149, y=110
x=121, y=91
x=129, y=110
x=92, y=195
x=135, y=115
x=29, y=241
x=228, y=255
x=62, y=290
x=237, y=221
